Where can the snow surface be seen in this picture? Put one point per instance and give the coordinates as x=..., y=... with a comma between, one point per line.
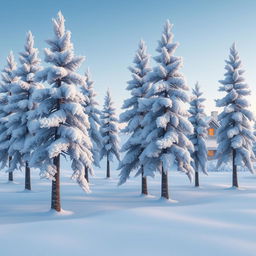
x=211, y=220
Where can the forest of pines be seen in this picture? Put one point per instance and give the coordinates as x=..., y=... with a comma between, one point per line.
x=48, y=110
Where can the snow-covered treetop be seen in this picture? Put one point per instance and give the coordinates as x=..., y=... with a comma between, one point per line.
x=30, y=62
x=197, y=93
x=196, y=106
x=234, y=81
x=109, y=130
x=138, y=87
x=199, y=135
x=167, y=125
x=9, y=81
x=29, y=66
x=63, y=125
x=169, y=64
x=141, y=68
x=91, y=105
x=235, y=132
x=61, y=56
x=10, y=67
x=8, y=73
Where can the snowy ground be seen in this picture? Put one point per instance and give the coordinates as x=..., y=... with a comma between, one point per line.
x=212, y=220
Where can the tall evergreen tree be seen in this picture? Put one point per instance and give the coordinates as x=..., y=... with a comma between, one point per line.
x=166, y=125
x=19, y=105
x=235, y=136
x=91, y=109
x=133, y=117
x=9, y=78
x=198, y=138
x=109, y=132
x=62, y=128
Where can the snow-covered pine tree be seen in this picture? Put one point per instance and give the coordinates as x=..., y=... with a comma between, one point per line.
x=133, y=117
x=62, y=128
x=20, y=104
x=235, y=136
x=93, y=113
x=9, y=78
x=166, y=126
x=109, y=132
x=198, y=138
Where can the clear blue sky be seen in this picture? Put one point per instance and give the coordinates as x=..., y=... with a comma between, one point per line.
x=108, y=32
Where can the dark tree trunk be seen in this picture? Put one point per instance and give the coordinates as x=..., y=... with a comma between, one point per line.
x=196, y=179
x=196, y=175
x=55, y=200
x=234, y=178
x=86, y=174
x=164, y=185
x=10, y=174
x=27, y=177
x=56, y=186
x=144, y=186
x=108, y=167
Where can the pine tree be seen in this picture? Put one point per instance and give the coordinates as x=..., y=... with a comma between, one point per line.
x=198, y=138
x=9, y=78
x=94, y=119
x=62, y=128
x=166, y=125
x=235, y=136
x=133, y=117
x=109, y=133
x=19, y=105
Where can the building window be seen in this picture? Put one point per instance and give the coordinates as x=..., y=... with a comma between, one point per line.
x=211, y=152
x=211, y=132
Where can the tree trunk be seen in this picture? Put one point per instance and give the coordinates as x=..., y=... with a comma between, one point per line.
x=55, y=202
x=56, y=186
x=196, y=179
x=27, y=177
x=164, y=185
x=108, y=167
x=10, y=174
x=196, y=175
x=86, y=174
x=234, y=178
x=144, y=186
